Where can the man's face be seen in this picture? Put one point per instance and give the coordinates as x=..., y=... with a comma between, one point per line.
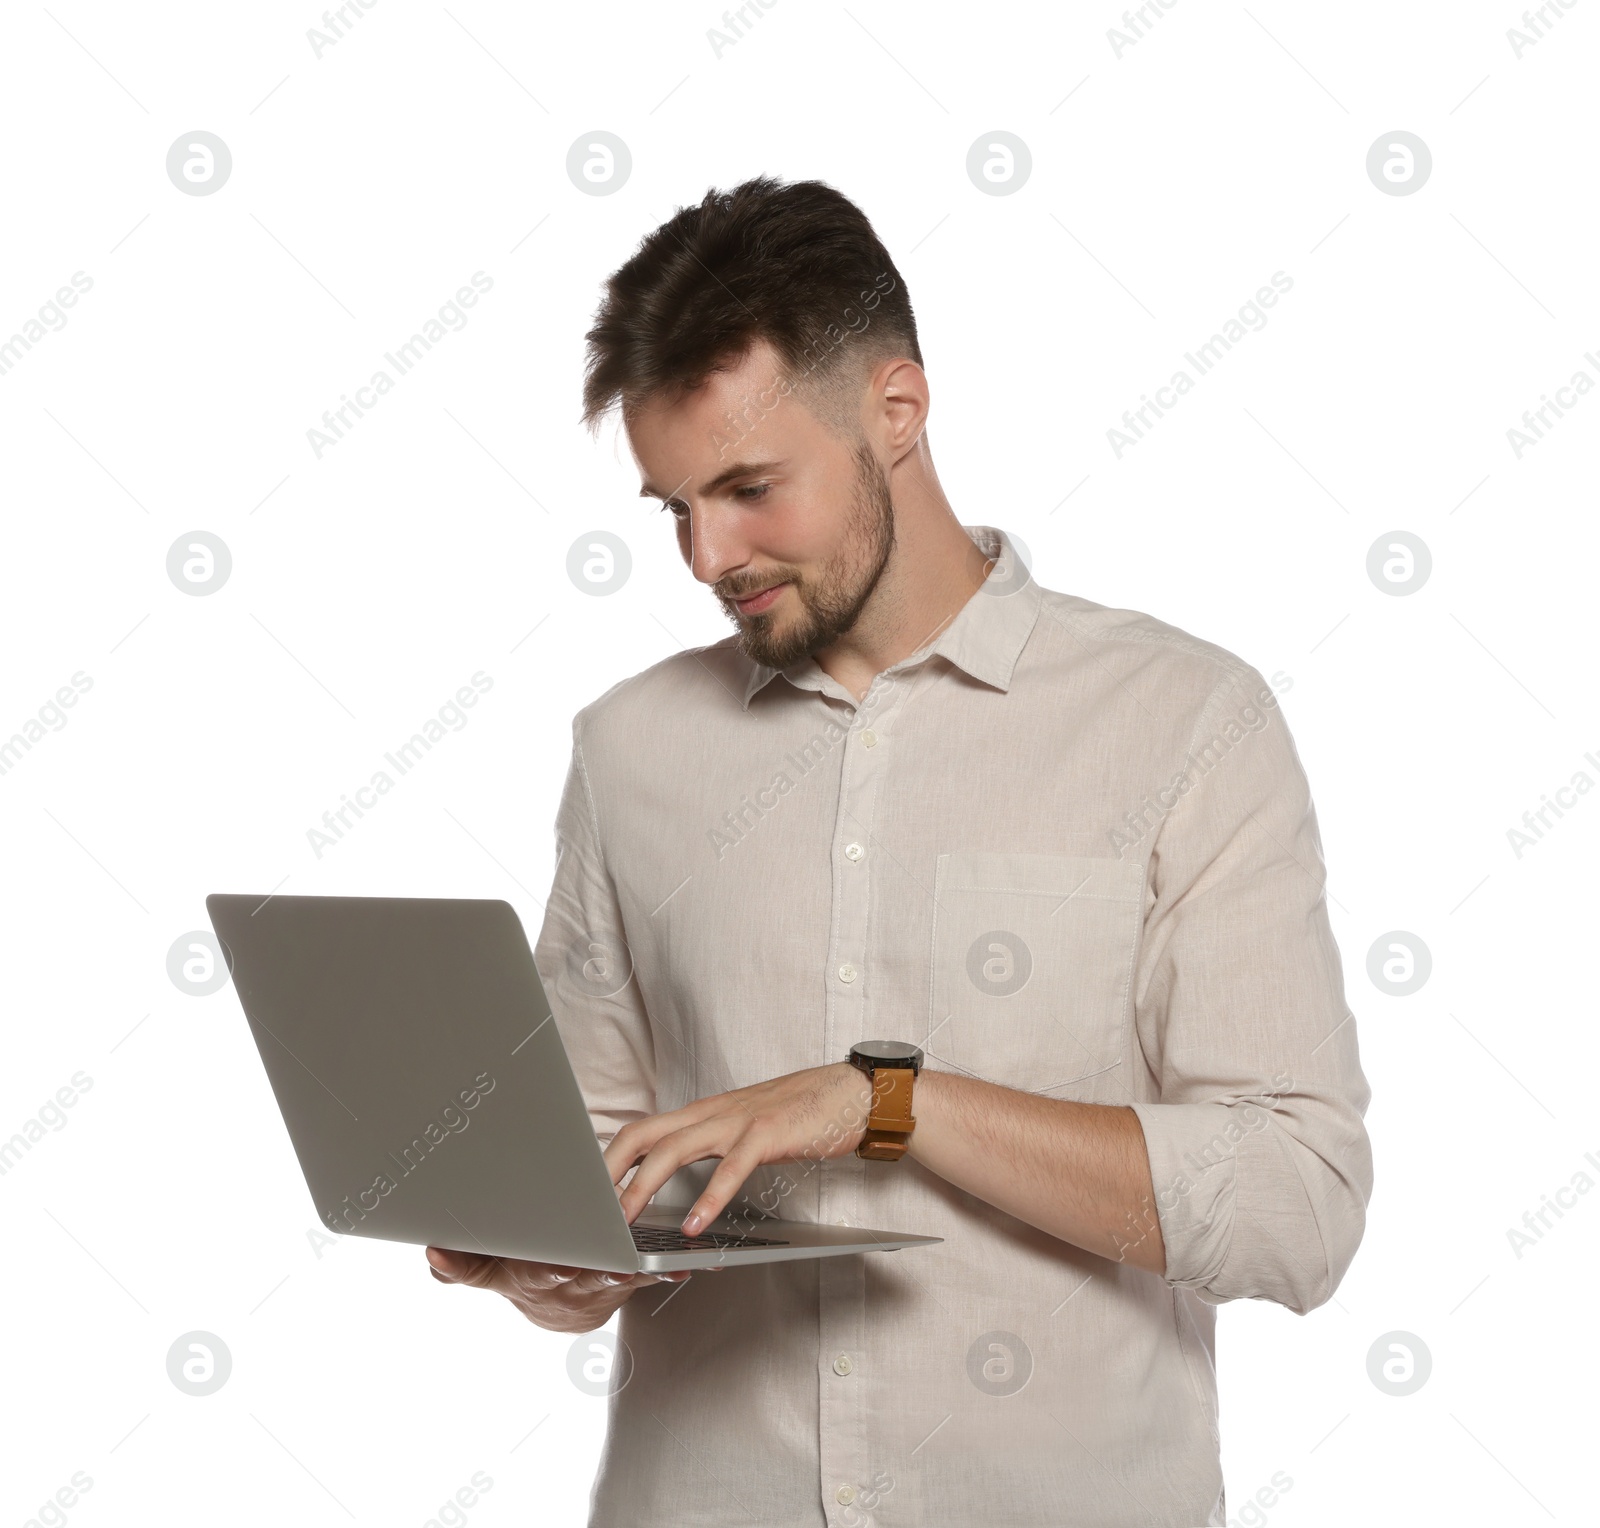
x=790, y=525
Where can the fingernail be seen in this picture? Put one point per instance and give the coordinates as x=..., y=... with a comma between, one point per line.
x=613, y=1278
x=693, y=1223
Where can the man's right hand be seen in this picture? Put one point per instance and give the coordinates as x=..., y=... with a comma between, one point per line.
x=557, y=1298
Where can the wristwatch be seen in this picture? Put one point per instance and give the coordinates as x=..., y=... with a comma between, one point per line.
x=893, y=1066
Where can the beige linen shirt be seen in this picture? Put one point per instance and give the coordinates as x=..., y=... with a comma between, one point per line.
x=1065, y=848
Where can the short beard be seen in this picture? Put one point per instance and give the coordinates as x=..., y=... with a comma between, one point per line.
x=831, y=605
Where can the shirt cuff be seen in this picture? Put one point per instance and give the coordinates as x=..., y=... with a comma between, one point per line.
x=1194, y=1157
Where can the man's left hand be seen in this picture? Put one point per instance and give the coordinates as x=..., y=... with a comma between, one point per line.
x=821, y=1112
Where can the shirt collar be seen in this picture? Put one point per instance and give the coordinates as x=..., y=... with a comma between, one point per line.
x=984, y=638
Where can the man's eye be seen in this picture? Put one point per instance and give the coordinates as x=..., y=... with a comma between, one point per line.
x=756, y=492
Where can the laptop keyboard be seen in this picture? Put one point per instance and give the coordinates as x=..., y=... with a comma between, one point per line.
x=650, y=1239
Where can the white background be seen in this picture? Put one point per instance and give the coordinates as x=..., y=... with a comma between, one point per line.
x=368, y=184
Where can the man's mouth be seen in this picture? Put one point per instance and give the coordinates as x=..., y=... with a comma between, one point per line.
x=754, y=604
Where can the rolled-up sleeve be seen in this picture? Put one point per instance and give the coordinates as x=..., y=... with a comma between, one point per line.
x=584, y=961
x=1260, y=1161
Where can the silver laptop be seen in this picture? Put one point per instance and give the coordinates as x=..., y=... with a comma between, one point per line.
x=429, y=1098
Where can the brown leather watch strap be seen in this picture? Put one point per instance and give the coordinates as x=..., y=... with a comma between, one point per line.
x=891, y=1122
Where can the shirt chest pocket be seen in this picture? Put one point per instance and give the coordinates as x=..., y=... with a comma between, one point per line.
x=1033, y=960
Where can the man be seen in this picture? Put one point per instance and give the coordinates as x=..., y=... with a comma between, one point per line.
x=1067, y=851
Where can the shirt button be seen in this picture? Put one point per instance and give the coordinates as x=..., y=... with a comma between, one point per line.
x=842, y=1364
x=847, y=972
x=869, y=738
x=853, y=851
x=845, y=1495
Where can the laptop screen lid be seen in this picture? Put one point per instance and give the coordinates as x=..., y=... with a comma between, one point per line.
x=422, y=1079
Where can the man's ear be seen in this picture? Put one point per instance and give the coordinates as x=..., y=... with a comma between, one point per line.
x=900, y=397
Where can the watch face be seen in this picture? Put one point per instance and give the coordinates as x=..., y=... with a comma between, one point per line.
x=888, y=1053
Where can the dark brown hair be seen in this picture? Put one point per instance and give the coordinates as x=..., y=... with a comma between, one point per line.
x=797, y=265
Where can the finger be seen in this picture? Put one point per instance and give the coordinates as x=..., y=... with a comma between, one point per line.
x=512, y=1277
x=628, y=1145
x=596, y=1281
x=638, y=1137
x=724, y=1183
x=538, y=1277
x=441, y=1264
x=712, y=1138
x=452, y=1267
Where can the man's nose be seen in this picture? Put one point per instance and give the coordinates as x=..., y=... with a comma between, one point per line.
x=715, y=548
